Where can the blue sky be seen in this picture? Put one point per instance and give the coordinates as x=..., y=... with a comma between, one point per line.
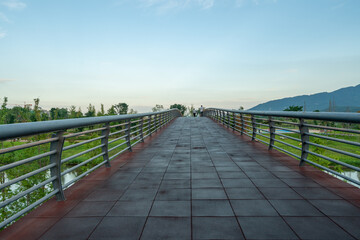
x=219, y=53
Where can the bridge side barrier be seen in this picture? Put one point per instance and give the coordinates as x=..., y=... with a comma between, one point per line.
x=39, y=160
x=329, y=141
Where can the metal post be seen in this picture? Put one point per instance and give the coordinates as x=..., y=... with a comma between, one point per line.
x=304, y=138
x=141, y=129
x=228, y=119
x=253, y=123
x=242, y=124
x=128, y=130
x=158, y=122
x=56, y=170
x=272, y=133
x=105, y=141
x=234, y=122
x=150, y=125
x=223, y=117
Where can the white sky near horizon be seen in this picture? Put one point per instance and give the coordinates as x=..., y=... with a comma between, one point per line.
x=218, y=53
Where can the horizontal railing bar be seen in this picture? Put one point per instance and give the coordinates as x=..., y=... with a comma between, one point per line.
x=263, y=135
x=261, y=124
x=136, y=142
x=81, y=164
x=288, y=129
x=117, y=139
x=27, y=209
x=27, y=145
x=119, y=145
x=83, y=174
x=81, y=153
x=138, y=125
x=333, y=128
x=286, y=122
x=24, y=193
x=335, y=150
x=334, y=161
x=117, y=132
x=82, y=143
x=288, y=152
x=326, y=116
x=27, y=160
x=118, y=125
x=83, y=132
x=25, y=176
x=287, y=144
x=289, y=137
x=334, y=139
x=9, y=131
x=117, y=154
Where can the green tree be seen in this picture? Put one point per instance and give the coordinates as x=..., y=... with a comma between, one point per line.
x=181, y=107
x=102, y=111
x=111, y=110
x=132, y=111
x=121, y=108
x=157, y=108
x=294, y=108
x=91, y=111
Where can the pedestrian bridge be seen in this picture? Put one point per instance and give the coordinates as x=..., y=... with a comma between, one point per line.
x=197, y=179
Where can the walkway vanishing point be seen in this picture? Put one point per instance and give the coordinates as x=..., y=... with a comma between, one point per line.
x=198, y=180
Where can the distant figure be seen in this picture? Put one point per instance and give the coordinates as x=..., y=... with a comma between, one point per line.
x=194, y=112
x=201, y=109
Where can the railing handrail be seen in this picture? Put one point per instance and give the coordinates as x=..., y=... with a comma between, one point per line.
x=325, y=116
x=8, y=131
x=258, y=125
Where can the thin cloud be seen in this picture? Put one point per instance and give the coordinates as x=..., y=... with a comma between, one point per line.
x=14, y=4
x=5, y=80
x=2, y=33
x=3, y=18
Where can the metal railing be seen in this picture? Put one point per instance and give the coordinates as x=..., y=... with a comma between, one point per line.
x=329, y=141
x=36, y=159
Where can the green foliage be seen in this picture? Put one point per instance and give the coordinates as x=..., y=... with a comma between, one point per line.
x=294, y=108
x=158, y=108
x=181, y=107
x=91, y=111
x=121, y=108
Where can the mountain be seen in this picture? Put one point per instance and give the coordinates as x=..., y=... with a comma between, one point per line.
x=342, y=100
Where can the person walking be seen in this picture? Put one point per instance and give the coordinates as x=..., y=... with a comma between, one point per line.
x=194, y=112
x=201, y=109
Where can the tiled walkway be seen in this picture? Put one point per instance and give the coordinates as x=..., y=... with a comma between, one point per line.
x=197, y=180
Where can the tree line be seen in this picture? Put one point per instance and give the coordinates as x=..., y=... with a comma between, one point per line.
x=26, y=113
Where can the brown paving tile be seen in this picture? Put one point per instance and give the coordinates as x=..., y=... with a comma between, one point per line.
x=316, y=193
x=28, y=228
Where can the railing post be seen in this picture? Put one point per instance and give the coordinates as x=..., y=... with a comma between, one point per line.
x=128, y=131
x=304, y=138
x=150, y=125
x=234, y=122
x=253, y=123
x=141, y=129
x=157, y=122
x=105, y=141
x=56, y=158
x=272, y=133
x=228, y=118
x=242, y=124
x=223, y=117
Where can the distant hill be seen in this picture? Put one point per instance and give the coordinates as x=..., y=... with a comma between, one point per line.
x=342, y=100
